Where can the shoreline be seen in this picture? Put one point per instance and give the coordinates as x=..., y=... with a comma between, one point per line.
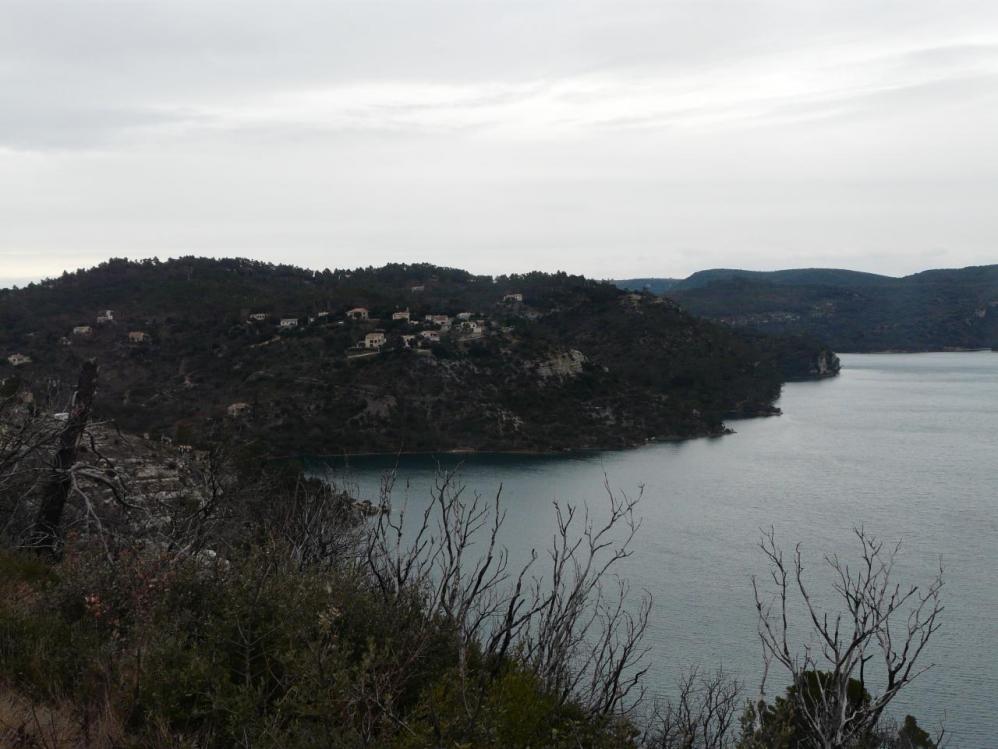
x=949, y=350
x=724, y=431
x=551, y=453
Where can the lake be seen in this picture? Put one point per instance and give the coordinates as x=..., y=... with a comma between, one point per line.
x=904, y=445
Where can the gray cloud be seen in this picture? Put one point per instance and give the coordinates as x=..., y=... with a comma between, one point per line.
x=500, y=136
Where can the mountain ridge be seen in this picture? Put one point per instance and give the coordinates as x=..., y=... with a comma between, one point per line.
x=852, y=311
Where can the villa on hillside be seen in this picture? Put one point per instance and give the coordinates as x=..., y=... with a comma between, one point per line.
x=138, y=336
x=430, y=335
x=515, y=297
x=374, y=340
x=289, y=322
x=402, y=315
x=18, y=360
x=105, y=317
x=441, y=320
x=239, y=409
x=633, y=299
x=471, y=326
x=83, y=330
x=464, y=315
x=358, y=313
x=418, y=289
x=258, y=316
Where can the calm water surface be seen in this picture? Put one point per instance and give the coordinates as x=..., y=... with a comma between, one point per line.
x=905, y=445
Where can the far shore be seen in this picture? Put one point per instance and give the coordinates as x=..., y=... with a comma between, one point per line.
x=950, y=350
x=550, y=453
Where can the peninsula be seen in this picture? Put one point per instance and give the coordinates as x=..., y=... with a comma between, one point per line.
x=398, y=358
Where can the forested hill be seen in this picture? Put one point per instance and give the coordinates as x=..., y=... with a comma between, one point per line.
x=193, y=348
x=929, y=311
x=652, y=285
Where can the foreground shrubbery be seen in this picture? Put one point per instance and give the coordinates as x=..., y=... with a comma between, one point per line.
x=314, y=622
x=255, y=650
x=252, y=651
x=269, y=611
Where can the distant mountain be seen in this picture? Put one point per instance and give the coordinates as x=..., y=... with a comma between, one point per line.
x=652, y=285
x=195, y=347
x=793, y=277
x=851, y=311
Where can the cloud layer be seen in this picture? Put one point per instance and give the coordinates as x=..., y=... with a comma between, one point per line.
x=607, y=138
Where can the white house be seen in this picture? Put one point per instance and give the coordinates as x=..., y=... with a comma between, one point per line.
x=418, y=289
x=105, y=316
x=464, y=315
x=239, y=409
x=441, y=320
x=258, y=316
x=470, y=326
x=289, y=322
x=515, y=297
x=17, y=360
x=83, y=330
x=430, y=335
x=321, y=314
x=374, y=340
x=402, y=315
x=358, y=313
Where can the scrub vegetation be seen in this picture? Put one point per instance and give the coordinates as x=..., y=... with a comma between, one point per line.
x=269, y=610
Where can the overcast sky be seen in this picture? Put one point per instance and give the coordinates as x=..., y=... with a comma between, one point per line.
x=608, y=138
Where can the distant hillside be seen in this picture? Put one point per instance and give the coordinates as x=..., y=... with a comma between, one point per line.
x=544, y=361
x=652, y=285
x=799, y=276
x=850, y=311
x=792, y=277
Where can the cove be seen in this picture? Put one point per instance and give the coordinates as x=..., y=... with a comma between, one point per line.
x=905, y=445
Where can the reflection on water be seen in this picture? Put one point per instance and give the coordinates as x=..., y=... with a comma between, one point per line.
x=904, y=445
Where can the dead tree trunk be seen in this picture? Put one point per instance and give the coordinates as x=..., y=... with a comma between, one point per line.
x=46, y=537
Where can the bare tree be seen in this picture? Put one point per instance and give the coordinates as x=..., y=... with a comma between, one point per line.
x=319, y=525
x=571, y=626
x=876, y=641
x=39, y=467
x=46, y=535
x=702, y=716
x=55, y=475
x=26, y=442
x=584, y=642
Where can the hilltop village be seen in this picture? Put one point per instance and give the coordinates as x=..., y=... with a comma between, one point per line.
x=371, y=334
x=374, y=332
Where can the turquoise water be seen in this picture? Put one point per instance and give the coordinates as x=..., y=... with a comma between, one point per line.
x=905, y=445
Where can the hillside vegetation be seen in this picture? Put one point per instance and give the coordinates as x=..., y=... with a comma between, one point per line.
x=852, y=312
x=568, y=363
x=154, y=597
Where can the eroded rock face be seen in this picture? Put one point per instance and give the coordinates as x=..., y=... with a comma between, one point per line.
x=826, y=365
x=567, y=364
x=144, y=485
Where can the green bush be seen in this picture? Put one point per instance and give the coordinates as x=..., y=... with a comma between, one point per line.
x=255, y=650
